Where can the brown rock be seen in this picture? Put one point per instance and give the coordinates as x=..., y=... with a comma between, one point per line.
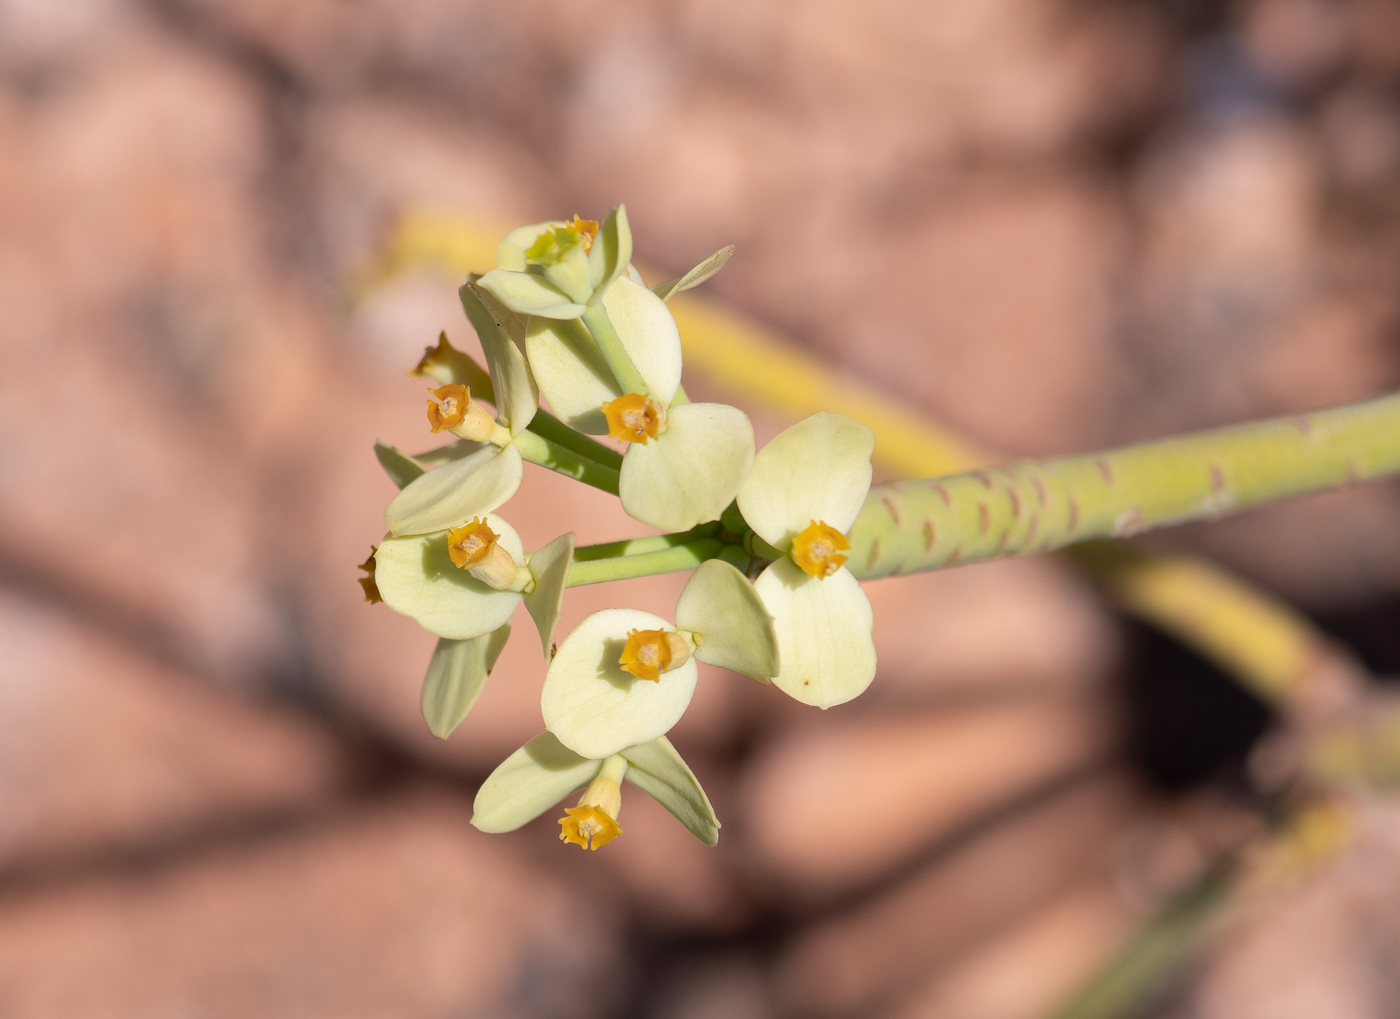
x=833, y=804
x=1025, y=972
x=1014, y=624
x=1325, y=945
x=104, y=750
x=877, y=950
x=400, y=909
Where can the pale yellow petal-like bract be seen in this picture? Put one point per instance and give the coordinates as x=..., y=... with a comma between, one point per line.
x=732, y=628
x=528, y=294
x=529, y=782
x=593, y=706
x=825, y=652
x=517, y=397
x=691, y=472
x=550, y=568
x=416, y=576
x=456, y=675
x=649, y=334
x=450, y=495
x=819, y=469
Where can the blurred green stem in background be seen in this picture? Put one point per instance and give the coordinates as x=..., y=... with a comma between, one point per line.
x=1145, y=965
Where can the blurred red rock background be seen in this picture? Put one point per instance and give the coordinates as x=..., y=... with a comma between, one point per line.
x=1053, y=224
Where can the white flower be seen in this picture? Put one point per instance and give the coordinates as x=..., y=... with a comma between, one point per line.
x=801, y=497
x=625, y=676
x=490, y=470
x=466, y=582
x=544, y=771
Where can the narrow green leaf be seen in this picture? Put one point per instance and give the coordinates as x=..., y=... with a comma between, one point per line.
x=400, y=467
x=456, y=675
x=550, y=567
x=696, y=276
x=657, y=770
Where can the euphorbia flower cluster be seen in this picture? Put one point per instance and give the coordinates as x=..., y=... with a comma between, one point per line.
x=565, y=315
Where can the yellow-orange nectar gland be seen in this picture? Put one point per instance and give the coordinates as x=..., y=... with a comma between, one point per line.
x=448, y=407
x=818, y=550
x=372, y=594
x=587, y=230
x=593, y=822
x=634, y=418
x=471, y=543
x=588, y=827
x=649, y=653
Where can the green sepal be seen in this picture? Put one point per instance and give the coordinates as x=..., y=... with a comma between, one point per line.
x=456, y=676
x=611, y=252
x=657, y=770
x=696, y=276
x=550, y=567
x=529, y=782
x=732, y=628
x=400, y=467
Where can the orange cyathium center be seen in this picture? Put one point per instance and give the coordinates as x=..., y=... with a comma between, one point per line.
x=647, y=654
x=448, y=407
x=818, y=550
x=588, y=826
x=634, y=418
x=471, y=543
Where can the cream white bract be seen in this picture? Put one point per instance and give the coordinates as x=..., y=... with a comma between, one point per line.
x=625, y=676
x=490, y=471
x=801, y=497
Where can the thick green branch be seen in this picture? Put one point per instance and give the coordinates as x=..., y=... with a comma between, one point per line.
x=538, y=450
x=641, y=546
x=1035, y=506
x=547, y=426
x=671, y=560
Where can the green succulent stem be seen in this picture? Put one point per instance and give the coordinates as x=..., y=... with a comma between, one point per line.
x=669, y=560
x=548, y=427
x=1037, y=506
x=1158, y=951
x=1034, y=506
x=600, y=327
x=539, y=450
x=642, y=546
